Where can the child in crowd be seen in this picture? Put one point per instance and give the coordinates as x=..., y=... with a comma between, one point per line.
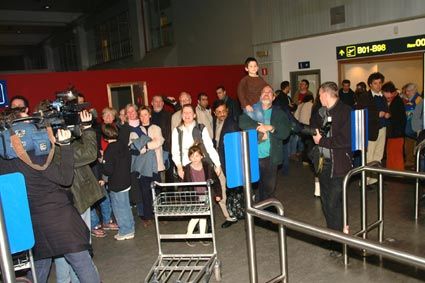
x=116, y=165
x=249, y=91
x=199, y=170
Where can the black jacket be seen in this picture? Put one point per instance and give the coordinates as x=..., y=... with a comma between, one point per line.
x=397, y=120
x=229, y=126
x=58, y=227
x=116, y=165
x=339, y=141
x=347, y=98
x=232, y=105
x=366, y=101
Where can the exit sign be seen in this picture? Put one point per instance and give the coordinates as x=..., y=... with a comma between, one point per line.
x=304, y=65
x=3, y=94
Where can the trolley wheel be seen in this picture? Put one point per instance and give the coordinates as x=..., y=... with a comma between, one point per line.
x=217, y=270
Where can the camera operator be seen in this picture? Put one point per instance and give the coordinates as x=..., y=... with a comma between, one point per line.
x=21, y=102
x=335, y=148
x=85, y=188
x=58, y=228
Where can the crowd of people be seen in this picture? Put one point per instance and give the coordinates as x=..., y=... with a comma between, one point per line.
x=100, y=175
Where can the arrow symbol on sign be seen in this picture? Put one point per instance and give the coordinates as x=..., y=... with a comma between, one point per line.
x=341, y=52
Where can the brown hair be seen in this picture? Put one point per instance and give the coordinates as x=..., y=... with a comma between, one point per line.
x=144, y=107
x=109, y=131
x=187, y=106
x=195, y=148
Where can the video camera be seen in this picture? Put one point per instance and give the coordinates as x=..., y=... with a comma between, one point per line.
x=324, y=130
x=63, y=113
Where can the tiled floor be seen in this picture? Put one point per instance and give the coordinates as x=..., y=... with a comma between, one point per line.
x=308, y=259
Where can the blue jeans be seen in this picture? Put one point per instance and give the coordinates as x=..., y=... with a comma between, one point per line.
x=295, y=144
x=257, y=114
x=120, y=202
x=81, y=262
x=64, y=272
x=105, y=210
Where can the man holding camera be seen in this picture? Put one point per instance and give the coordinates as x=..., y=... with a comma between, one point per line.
x=335, y=151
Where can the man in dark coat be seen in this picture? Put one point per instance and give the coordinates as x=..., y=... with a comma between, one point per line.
x=162, y=119
x=233, y=107
x=346, y=94
x=274, y=130
x=222, y=124
x=335, y=147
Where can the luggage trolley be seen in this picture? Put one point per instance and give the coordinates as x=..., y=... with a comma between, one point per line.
x=183, y=267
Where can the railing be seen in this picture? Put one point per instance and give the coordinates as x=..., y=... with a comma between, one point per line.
x=380, y=222
x=324, y=233
x=418, y=150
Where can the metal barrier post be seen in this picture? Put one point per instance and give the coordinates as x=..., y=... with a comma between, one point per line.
x=380, y=222
x=418, y=150
x=418, y=154
x=249, y=219
x=381, y=209
x=271, y=202
x=6, y=263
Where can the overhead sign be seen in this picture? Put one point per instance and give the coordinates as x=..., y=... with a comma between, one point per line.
x=304, y=65
x=3, y=94
x=383, y=47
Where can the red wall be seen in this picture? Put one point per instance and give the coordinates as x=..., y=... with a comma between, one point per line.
x=164, y=81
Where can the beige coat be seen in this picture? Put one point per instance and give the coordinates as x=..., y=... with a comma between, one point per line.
x=203, y=116
x=303, y=112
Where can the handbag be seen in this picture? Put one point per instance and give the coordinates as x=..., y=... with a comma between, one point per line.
x=317, y=158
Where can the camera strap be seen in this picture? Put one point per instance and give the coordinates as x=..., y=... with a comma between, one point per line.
x=23, y=155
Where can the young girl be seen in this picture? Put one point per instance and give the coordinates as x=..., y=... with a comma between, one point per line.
x=199, y=170
x=116, y=165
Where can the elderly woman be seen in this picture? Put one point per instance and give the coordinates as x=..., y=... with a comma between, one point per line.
x=149, y=162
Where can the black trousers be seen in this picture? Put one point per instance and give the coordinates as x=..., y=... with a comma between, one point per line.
x=267, y=182
x=331, y=196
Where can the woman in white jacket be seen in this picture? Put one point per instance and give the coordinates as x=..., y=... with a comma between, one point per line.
x=183, y=138
x=187, y=126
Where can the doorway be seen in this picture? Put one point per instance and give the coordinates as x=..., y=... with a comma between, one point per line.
x=313, y=77
x=121, y=94
x=400, y=69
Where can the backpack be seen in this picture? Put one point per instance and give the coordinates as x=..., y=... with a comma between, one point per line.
x=197, y=139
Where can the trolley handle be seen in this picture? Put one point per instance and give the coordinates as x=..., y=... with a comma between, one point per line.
x=209, y=182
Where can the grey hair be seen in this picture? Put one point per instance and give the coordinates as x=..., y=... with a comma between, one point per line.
x=330, y=87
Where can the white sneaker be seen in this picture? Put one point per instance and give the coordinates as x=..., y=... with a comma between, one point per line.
x=316, y=189
x=128, y=236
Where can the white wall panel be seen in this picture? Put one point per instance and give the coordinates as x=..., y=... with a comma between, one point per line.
x=321, y=50
x=288, y=19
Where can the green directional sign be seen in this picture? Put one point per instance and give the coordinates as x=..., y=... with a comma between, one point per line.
x=383, y=47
